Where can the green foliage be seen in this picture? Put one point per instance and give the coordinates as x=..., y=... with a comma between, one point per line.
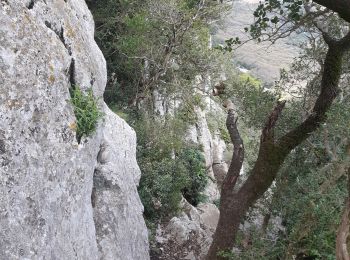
x=264, y=19
x=310, y=212
x=256, y=100
x=277, y=19
x=217, y=124
x=158, y=138
x=274, y=19
x=120, y=31
x=190, y=4
x=227, y=254
x=246, y=78
x=311, y=217
x=86, y=111
x=161, y=185
x=152, y=44
x=194, y=163
x=259, y=247
x=229, y=44
x=187, y=110
x=252, y=99
x=170, y=168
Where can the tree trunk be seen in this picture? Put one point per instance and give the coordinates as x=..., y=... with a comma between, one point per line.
x=342, y=251
x=272, y=153
x=228, y=224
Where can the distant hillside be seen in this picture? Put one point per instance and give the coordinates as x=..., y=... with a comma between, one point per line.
x=263, y=60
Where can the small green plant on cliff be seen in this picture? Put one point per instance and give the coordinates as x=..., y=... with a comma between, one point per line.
x=86, y=112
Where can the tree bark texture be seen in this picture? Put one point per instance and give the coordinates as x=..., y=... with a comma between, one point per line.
x=272, y=153
x=342, y=250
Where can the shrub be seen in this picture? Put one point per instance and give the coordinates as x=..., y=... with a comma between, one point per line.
x=160, y=187
x=163, y=182
x=194, y=163
x=86, y=112
x=170, y=167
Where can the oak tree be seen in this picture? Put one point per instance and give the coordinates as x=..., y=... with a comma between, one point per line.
x=275, y=19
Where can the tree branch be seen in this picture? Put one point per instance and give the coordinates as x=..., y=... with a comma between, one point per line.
x=268, y=130
x=238, y=151
x=271, y=155
x=329, y=90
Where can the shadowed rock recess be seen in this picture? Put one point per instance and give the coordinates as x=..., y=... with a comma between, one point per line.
x=60, y=199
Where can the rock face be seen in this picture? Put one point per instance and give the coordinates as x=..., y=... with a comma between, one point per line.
x=120, y=229
x=220, y=166
x=204, y=138
x=189, y=235
x=60, y=199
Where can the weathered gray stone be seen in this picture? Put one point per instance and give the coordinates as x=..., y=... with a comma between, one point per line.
x=188, y=235
x=46, y=177
x=120, y=229
x=204, y=139
x=209, y=215
x=220, y=166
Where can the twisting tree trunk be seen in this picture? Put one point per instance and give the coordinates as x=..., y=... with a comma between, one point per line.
x=272, y=153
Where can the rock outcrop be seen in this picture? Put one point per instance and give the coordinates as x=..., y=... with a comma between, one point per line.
x=220, y=166
x=188, y=235
x=200, y=135
x=60, y=199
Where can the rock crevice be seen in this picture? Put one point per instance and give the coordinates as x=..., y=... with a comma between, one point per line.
x=51, y=205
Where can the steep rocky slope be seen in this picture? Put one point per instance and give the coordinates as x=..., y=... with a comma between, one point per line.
x=188, y=235
x=60, y=199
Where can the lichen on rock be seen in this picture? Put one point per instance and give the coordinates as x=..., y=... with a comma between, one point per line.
x=48, y=209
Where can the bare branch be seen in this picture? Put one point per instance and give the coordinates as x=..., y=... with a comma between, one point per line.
x=238, y=151
x=328, y=92
x=268, y=130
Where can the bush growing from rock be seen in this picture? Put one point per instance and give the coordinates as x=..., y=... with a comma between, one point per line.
x=86, y=112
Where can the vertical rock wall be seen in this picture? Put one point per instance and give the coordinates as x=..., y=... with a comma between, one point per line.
x=189, y=234
x=60, y=199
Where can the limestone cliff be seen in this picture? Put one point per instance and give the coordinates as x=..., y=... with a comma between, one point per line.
x=60, y=199
x=189, y=234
